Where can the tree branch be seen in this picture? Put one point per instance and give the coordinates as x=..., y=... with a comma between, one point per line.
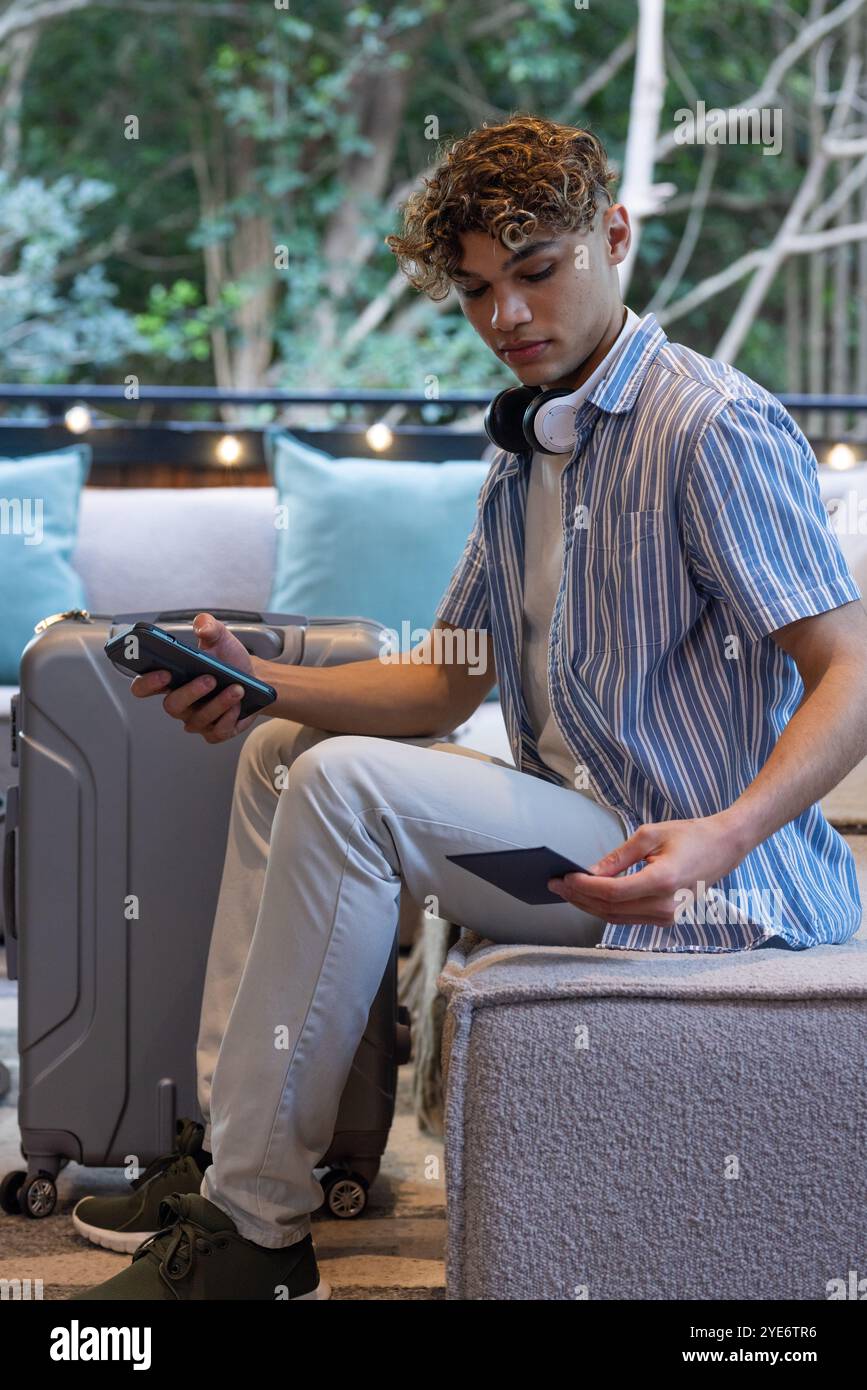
x=682, y=255
x=713, y=285
x=836, y=236
x=722, y=198
x=20, y=16
x=497, y=19
x=753, y=296
x=22, y=46
x=600, y=76
x=808, y=37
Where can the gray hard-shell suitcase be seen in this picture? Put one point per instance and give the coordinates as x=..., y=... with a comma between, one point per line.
x=109, y=1007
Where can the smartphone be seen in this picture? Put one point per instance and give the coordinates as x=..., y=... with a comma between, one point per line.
x=145, y=647
x=523, y=873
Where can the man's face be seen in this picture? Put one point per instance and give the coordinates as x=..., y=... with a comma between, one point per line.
x=559, y=294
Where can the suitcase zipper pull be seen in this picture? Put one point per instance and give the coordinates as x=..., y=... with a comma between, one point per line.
x=80, y=614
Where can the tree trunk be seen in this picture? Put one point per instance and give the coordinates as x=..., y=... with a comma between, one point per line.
x=379, y=95
x=815, y=344
x=16, y=55
x=637, y=191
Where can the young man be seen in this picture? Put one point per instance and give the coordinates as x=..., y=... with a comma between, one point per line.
x=677, y=639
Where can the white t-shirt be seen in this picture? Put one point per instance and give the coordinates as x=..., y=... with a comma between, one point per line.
x=543, y=565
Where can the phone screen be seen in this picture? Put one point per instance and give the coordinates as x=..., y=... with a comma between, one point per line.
x=145, y=647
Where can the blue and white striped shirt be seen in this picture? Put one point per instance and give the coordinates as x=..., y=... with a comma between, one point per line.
x=695, y=529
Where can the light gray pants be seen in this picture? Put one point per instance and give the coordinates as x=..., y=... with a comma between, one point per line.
x=325, y=831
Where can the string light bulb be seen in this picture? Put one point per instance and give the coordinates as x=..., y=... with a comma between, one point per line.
x=841, y=457
x=78, y=419
x=379, y=437
x=229, y=449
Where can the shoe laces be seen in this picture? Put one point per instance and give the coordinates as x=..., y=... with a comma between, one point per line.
x=166, y=1163
x=176, y=1244
x=172, y=1162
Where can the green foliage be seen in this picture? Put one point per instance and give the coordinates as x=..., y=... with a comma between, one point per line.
x=56, y=311
x=259, y=121
x=173, y=328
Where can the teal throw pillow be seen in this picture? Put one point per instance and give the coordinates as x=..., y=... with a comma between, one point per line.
x=39, y=500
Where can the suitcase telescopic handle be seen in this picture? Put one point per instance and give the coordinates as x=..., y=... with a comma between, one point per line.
x=225, y=615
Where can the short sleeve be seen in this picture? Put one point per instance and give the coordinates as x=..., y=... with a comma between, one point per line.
x=465, y=602
x=757, y=533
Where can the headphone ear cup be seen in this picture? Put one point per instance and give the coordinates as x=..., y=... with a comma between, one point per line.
x=534, y=427
x=504, y=418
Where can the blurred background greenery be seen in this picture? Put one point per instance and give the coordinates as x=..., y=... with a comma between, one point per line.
x=198, y=192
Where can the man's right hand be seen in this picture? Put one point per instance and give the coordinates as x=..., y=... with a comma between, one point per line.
x=217, y=719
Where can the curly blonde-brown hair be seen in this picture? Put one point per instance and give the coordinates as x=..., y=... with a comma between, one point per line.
x=505, y=179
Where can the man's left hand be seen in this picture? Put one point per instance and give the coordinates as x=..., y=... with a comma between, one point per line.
x=680, y=854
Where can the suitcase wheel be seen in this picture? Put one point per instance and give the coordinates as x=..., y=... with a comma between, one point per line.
x=37, y=1196
x=345, y=1193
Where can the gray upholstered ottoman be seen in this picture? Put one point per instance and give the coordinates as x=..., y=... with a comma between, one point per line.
x=650, y=1126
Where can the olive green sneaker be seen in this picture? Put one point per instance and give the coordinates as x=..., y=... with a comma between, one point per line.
x=122, y=1223
x=198, y=1255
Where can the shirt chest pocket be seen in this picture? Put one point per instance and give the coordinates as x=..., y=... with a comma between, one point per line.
x=621, y=585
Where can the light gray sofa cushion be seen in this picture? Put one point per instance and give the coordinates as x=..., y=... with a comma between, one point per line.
x=145, y=548
x=600, y=1172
